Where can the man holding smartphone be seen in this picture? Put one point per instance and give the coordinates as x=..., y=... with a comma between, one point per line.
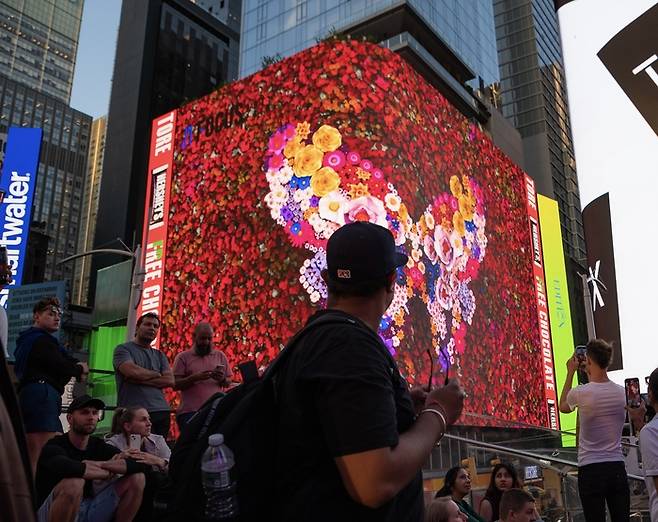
x=199, y=373
x=601, y=405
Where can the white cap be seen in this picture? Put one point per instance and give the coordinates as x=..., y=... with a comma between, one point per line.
x=216, y=439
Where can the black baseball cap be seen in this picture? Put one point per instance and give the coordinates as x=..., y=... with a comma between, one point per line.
x=360, y=252
x=85, y=401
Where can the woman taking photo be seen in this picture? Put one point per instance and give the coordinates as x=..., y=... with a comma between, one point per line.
x=457, y=485
x=43, y=367
x=134, y=424
x=503, y=477
x=131, y=433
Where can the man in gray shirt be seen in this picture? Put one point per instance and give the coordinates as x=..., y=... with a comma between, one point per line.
x=142, y=372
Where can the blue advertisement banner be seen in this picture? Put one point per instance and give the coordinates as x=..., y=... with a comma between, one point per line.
x=17, y=183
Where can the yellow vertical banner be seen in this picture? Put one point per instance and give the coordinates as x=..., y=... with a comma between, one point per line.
x=558, y=300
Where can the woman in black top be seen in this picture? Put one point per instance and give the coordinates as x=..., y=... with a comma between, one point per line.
x=457, y=485
x=503, y=477
x=43, y=367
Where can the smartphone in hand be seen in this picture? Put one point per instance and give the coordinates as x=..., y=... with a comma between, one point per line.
x=633, y=398
x=135, y=441
x=581, y=355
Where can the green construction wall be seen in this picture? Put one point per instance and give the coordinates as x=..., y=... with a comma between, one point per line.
x=101, y=349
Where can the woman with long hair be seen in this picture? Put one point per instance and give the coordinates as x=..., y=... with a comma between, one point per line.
x=457, y=485
x=134, y=424
x=503, y=477
x=135, y=421
x=444, y=509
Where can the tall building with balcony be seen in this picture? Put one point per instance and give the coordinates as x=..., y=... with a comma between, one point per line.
x=168, y=52
x=89, y=212
x=60, y=180
x=39, y=43
x=534, y=99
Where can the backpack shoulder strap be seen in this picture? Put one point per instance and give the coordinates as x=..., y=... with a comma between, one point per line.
x=330, y=318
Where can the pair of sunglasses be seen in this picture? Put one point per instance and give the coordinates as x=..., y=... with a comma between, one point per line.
x=447, y=371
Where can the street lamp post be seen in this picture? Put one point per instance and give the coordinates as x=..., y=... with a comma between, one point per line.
x=135, y=283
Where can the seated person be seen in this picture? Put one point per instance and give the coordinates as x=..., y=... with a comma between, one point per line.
x=147, y=448
x=517, y=505
x=74, y=471
x=135, y=420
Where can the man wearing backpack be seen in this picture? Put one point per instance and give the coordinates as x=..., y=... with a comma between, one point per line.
x=351, y=442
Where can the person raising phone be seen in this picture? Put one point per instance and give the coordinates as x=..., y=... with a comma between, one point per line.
x=199, y=373
x=601, y=405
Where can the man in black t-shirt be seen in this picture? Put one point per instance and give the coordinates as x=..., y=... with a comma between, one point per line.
x=75, y=472
x=352, y=439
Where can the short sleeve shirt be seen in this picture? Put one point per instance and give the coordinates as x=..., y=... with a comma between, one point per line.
x=189, y=362
x=602, y=412
x=649, y=449
x=340, y=393
x=135, y=394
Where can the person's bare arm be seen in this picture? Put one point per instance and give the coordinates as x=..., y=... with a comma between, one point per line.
x=115, y=466
x=135, y=373
x=374, y=477
x=572, y=366
x=183, y=383
x=486, y=511
x=166, y=380
x=95, y=471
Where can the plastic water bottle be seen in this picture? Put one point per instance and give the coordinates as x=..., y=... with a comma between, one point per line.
x=218, y=485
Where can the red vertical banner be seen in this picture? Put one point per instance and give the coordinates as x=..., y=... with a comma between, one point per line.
x=156, y=214
x=546, y=348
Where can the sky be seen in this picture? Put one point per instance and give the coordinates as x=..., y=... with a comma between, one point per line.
x=92, y=79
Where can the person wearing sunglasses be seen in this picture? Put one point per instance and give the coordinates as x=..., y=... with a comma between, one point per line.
x=43, y=367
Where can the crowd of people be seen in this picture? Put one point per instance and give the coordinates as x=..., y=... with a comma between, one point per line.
x=352, y=438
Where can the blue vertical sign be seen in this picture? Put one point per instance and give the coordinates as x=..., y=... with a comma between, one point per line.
x=17, y=183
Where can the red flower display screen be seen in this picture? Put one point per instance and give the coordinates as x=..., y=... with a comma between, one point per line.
x=267, y=168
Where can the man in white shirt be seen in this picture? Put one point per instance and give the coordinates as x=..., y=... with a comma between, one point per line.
x=649, y=443
x=601, y=406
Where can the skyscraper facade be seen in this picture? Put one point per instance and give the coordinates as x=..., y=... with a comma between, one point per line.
x=60, y=178
x=534, y=99
x=39, y=43
x=451, y=43
x=280, y=27
x=168, y=52
x=89, y=212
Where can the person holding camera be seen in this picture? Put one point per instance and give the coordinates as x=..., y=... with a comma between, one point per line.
x=601, y=406
x=199, y=373
x=648, y=435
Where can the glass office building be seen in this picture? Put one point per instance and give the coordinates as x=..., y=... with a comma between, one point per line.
x=89, y=212
x=534, y=99
x=39, y=43
x=60, y=177
x=284, y=27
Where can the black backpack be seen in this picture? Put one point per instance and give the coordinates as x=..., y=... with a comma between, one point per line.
x=247, y=417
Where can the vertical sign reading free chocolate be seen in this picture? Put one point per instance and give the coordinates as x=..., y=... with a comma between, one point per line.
x=631, y=56
x=546, y=347
x=156, y=215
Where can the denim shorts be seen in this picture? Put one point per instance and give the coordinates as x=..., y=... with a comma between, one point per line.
x=100, y=508
x=40, y=405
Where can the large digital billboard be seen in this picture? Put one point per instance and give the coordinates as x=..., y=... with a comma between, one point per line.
x=612, y=82
x=267, y=168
